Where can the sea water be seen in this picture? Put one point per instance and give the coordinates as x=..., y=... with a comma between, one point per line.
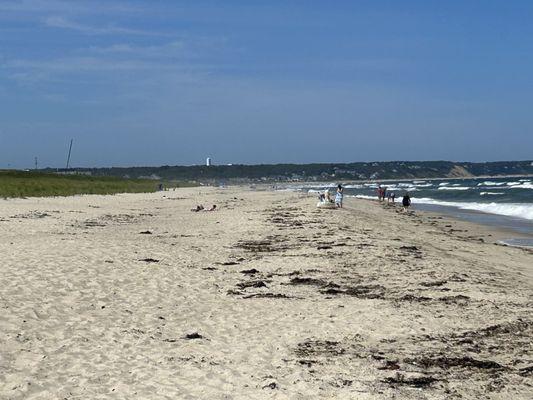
x=502, y=202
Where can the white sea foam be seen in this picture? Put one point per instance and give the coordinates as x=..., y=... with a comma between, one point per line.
x=490, y=183
x=490, y=193
x=520, y=210
x=454, y=188
x=364, y=196
x=444, y=184
x=400, y=189
x=523, y=210
x=524, y=185
x=354, y=186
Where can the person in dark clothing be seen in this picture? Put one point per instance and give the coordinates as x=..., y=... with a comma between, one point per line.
x=406, y=201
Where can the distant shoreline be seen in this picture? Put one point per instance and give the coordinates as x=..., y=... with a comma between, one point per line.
x=340, y=181
x=355, y=171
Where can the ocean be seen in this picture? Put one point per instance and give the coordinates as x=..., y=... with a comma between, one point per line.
x=502, y=202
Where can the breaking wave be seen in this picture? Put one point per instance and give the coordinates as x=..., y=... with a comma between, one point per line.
x=454, y=188
x=523, y=210
x=490, y=183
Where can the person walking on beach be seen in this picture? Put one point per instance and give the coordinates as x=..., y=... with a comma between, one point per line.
x=380, y=192
x=338, y=196
x=406, y=201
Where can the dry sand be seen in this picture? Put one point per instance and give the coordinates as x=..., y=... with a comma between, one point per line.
x=266, y=298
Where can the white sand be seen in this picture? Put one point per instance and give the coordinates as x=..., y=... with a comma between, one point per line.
x=82, y=317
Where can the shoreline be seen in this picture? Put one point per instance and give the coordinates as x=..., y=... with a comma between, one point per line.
x=135, y=296
x=505, y=227
x=519, y=229
x=489, y=233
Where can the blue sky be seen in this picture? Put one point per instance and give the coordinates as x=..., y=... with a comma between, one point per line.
x=172, y=82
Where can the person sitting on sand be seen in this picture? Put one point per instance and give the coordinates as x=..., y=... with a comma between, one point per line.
x=338, y=196
x=214, y=208
x=327, y=196
x=198, y=208
x=406, y=201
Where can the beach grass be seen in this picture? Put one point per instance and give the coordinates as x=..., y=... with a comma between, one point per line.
x=38, y=184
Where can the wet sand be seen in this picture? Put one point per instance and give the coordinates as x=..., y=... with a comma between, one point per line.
x=506, y=228
x=136, y=297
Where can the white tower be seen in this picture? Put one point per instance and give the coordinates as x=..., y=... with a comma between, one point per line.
x=208, y=161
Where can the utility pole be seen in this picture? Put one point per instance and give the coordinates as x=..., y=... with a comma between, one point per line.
x=69, y=151
x=36, y=163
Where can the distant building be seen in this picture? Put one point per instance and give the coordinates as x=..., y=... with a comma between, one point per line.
x=73, y=172
x=153, y=177
x=208, y=162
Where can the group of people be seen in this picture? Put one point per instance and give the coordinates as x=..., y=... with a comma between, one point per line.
x=383, y=194
x=324, y=199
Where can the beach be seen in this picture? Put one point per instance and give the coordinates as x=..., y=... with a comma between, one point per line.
x=133, y=296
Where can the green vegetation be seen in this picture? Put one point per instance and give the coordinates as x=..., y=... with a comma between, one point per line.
x=36, y=184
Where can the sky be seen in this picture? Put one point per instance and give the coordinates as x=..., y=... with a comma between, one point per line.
x=172, y=82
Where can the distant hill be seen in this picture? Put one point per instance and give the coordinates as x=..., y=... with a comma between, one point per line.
x=317, y=172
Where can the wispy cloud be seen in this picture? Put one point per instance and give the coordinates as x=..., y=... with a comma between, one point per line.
x=184, y=60
x=184, y=47
x=166, y=50
x=50, y=70
x=78, y=15
x=67, y=7
x=64, y=23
